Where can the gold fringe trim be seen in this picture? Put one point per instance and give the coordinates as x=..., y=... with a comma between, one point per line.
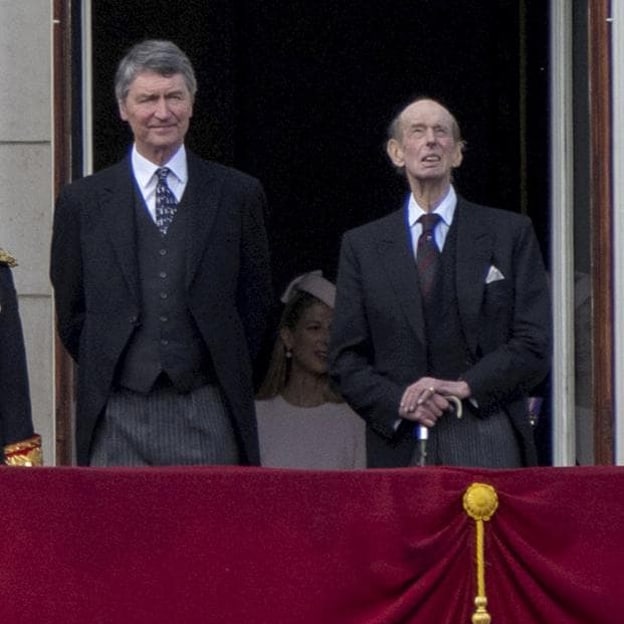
x=480, y=503
x=7, y=258
x=25, y=453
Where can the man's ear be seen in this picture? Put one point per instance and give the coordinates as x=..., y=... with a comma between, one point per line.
x=458, y=157
x=395, y=153
x=122, y=110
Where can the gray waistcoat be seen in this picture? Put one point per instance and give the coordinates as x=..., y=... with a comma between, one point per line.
x=167, y=339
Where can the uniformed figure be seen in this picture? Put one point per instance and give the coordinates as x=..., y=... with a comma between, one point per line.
x=18, y=442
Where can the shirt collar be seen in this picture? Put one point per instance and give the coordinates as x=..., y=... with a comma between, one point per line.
x=446, y=208
x=144, y=169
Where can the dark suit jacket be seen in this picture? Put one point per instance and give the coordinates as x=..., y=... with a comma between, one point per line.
x=15, y=414
x=95, y=275
x=378, y=335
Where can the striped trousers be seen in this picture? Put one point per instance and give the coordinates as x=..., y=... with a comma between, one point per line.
x=490, y=442
x=164, y=428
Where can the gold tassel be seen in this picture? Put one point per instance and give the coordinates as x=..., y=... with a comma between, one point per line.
x=480, y=503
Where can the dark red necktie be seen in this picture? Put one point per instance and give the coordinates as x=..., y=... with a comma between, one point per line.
x=427, y=254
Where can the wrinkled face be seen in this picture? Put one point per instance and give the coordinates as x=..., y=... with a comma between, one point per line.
x=426, y=147
x=158, y=109
x=309, y=339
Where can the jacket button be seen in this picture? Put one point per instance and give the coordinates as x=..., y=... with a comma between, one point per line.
x=133, y=319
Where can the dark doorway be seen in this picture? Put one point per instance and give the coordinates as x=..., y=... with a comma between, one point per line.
x=300, y=94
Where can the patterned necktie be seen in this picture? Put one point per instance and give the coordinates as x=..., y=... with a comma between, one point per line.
x=427, y=254
x=166, y=203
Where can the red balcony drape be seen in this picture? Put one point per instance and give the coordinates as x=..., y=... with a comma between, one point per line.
x=250, y=545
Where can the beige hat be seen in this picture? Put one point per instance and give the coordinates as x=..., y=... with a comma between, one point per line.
x=313, y=283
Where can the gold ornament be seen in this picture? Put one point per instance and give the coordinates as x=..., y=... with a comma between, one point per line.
x=480, y=503
x=7, y=258
x=24, y=453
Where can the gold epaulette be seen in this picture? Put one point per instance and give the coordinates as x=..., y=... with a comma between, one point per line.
x=7, y=258
x=24, y=453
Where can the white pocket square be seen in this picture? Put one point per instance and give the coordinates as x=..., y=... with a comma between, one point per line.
x=494, y=275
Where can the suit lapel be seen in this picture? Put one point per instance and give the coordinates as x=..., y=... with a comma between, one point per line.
x=397, y=258
x=474, y=253
x=117, y=201
x=201, y=200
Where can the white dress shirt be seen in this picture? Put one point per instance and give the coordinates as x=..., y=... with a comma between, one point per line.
x=446, y=210
x=145, y=175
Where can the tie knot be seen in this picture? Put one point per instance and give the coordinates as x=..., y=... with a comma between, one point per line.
x=429, y=221
x=162, y=174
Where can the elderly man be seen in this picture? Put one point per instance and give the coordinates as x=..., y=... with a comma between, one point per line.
x=441, y=298
x=161, y=274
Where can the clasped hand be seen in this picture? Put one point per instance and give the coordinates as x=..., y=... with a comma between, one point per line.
x=425, y=400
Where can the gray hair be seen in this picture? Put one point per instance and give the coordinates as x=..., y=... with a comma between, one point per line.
x=158, y=56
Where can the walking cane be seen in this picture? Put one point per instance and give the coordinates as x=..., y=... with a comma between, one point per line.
x=423, y=432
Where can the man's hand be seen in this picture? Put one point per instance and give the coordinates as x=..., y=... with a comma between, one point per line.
x=424, y=401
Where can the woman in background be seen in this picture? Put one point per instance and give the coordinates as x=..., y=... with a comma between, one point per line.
x=302, y=422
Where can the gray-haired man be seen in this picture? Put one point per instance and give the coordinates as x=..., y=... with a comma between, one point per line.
x=162, y=282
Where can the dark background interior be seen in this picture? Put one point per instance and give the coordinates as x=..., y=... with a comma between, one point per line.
x=300, y=93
